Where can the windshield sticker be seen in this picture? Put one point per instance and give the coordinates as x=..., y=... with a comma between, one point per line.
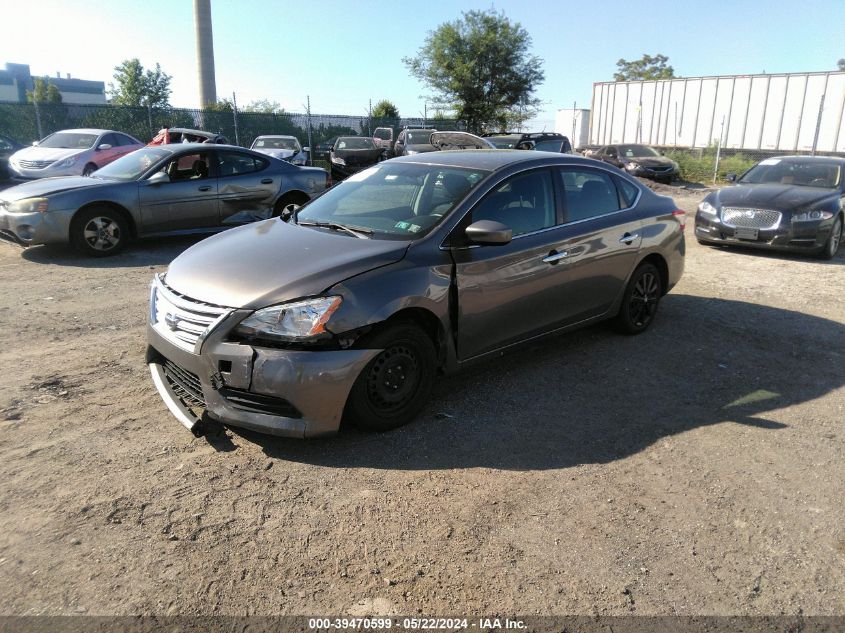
x=770, y=161
x=407, y=226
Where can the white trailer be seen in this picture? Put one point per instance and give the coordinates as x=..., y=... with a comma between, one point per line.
x=777, y=112
x=574, y=123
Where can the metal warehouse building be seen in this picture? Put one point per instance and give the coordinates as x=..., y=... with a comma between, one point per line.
x=777, y=112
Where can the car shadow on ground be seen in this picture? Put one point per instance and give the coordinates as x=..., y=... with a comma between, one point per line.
x=594, y=396
x=838, y=259
x=143, y=252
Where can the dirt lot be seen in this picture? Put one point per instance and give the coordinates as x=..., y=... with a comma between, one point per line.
x=696, y=469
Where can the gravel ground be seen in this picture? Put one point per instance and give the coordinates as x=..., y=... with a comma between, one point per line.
x=696, y=469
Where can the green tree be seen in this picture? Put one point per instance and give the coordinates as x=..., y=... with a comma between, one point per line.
x=43, y=92
x=385, y=109
x=647, y=68
x=480, y=67
x=264, y=106
x=138, y=87
x=841, y=64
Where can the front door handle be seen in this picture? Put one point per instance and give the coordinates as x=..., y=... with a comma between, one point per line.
x=555, y=256
x=628, y=238
x=206, y=188
x=266, y=181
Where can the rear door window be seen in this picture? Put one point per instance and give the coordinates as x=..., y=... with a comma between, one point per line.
x=588, y=193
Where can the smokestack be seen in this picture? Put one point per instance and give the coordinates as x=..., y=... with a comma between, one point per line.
x=205, y=52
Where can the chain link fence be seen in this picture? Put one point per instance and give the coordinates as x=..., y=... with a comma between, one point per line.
x=28, y=122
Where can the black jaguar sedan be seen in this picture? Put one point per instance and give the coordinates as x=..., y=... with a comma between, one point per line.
x=789, y=203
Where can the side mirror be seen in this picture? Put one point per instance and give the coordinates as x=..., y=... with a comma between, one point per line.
x=730, y=177
x=103, y=146
x=488, y=232
x=306, y=149
x=34, y=143
x=158, y=178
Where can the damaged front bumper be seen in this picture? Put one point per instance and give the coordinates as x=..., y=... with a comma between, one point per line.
x=292, y=393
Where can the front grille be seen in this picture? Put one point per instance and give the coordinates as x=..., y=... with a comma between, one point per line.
x=35, y=164
x=180, y=319
x=751, y=218
x=185, y=384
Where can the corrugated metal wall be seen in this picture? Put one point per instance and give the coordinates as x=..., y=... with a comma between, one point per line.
x=785, y=112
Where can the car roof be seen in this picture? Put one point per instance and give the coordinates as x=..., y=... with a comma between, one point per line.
x=488, y=159
x=178, y=147
x=808, y=159
x=276, y=136
x=85, y=130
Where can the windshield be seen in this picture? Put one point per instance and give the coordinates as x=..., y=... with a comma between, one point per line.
x=637, y=151
x=133, y=165
x=398, y=201
x=504, y=142
x=69, y=140
x=276, y=143
x=804, y=173
x=351, y=142
x=420, y=137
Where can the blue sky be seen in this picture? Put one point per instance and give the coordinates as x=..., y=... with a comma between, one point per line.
x=343, y=53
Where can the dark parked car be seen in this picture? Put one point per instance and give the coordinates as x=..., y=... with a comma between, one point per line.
x=156, y=190
x=418, y=265
x=639, y=160
x=171, y=135
x=322, y=150
x=413, y=141
x=550, y=141
x=8, y=147
x=351, y=154
x=793, y=203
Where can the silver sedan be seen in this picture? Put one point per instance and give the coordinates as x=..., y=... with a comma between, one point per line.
x=177, y=189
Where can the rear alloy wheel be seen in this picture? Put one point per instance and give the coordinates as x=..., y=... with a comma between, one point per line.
x=396, y=384
x=99, y=232
x=640, y=301
x=833, y=241
x=288, y=204
x=90, y=168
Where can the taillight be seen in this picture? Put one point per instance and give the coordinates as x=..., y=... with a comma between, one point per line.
x=682, y=217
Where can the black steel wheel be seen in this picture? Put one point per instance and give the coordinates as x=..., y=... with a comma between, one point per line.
x=833, y=241
x=640, y=300
x=99, y=232
x=396, y=383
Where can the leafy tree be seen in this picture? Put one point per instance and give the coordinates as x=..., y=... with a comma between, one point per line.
x=841, y=64
x=139, y=87
x=480, y=67
x=265, y=106
x=43, y=92
x=647, y=68
x=385, y=109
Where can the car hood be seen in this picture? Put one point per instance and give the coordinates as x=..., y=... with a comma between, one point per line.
x=359, y=153
x=420, y=148
x=652, y=161
x=281, y=154
x=50, y=186
x=46, y=153
x=773, y=196
x=271, y=262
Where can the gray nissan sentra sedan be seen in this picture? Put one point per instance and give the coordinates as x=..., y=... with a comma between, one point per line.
x=417, y=266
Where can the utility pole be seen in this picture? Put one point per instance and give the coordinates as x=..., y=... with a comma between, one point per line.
x=370, y=119
x=235, y=116
x=308, y=115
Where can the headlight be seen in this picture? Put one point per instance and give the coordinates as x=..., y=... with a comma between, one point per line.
x=28, y=205
x=632, y=165
x=67, y=162
x=337, y=160
x=811, y=216
x=706, y=207
x=298, y=321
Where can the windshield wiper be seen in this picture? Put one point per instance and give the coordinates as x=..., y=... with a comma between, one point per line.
x=357, y=231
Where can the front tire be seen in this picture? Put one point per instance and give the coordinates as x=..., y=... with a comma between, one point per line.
x=99, y=232
x=288, y=204
x=396, y=384
x=90, y=168
x=640, y=300
x=833, y=241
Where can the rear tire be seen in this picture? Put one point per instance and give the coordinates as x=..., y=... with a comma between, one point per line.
x=396, y=384
x=99, y=232
x=90, y=168
x=640, y=300
x=834, y=240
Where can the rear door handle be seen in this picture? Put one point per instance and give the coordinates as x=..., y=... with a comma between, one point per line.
x=266, y=181
x=555, y=256
x=628, y=238
x=205, y=188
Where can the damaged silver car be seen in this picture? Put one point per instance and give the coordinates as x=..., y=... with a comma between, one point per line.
x=417, y=266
